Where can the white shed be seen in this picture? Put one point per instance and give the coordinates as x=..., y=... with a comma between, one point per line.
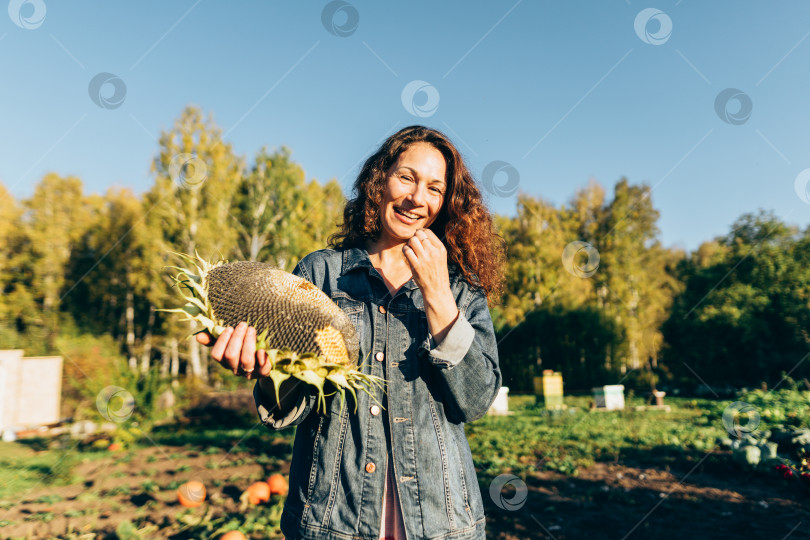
x=30, y=389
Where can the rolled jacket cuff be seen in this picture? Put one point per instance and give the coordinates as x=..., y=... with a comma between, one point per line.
x=453, y=348
x=269, y=413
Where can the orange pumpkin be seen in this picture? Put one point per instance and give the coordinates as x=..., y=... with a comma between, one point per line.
x=258, y=492
x=191, y=494
x=233, y=535
x=114, y=447
x=278, y=484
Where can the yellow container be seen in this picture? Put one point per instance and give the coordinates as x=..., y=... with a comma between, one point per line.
x=550, y=388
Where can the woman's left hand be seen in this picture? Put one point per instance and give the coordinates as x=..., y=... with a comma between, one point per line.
x=428, y=259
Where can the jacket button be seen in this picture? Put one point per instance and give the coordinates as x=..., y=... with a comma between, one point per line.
x=379, y=356
x=382, y=309
x=375, y=410
x=370, y=467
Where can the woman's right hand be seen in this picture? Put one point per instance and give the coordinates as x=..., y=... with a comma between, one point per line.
x=235, y=349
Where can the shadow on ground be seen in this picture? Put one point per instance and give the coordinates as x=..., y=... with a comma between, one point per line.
x=687, y=495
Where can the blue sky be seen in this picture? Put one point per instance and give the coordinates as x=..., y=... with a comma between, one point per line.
x=563, y=91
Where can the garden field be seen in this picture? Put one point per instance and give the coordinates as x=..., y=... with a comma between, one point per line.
x=574, y=474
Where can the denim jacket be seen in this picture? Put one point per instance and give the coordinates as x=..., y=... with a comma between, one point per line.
x=339, y=459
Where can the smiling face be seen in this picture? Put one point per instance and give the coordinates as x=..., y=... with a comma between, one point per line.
x=414, y=193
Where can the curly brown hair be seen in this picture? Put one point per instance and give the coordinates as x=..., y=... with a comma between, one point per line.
x=464, y=224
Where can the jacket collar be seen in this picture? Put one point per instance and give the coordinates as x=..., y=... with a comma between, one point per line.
x=355, y=257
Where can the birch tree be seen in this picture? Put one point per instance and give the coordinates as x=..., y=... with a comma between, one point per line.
x=279, y=217
x=188, y=208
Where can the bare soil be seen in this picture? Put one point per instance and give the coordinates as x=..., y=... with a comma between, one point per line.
x=707, y=500
x=613, y=501
x=113, y=491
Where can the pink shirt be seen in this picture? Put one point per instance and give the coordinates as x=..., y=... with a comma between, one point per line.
x=393, y=527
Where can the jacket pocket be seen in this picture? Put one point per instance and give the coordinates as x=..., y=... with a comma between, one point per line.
x=351, y=307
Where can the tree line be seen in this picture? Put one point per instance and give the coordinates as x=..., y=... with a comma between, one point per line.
x=590, y=289
x=733, y=313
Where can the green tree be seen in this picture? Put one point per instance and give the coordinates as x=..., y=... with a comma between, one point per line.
x=572, y=340
x=278, y=216
x=744, y=314
x=324, y=211
x=630, y=289
x=535, y=275
x=542, y=293
x=188, y=208
x=632, y=284
x=9, y=223
x=19, y=313
x=55, y=218
x=107, y=275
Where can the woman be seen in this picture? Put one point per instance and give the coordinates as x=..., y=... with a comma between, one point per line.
x=413, y=265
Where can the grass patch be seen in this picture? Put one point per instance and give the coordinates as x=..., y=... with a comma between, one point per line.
x=533, y=439
x=22, y=468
